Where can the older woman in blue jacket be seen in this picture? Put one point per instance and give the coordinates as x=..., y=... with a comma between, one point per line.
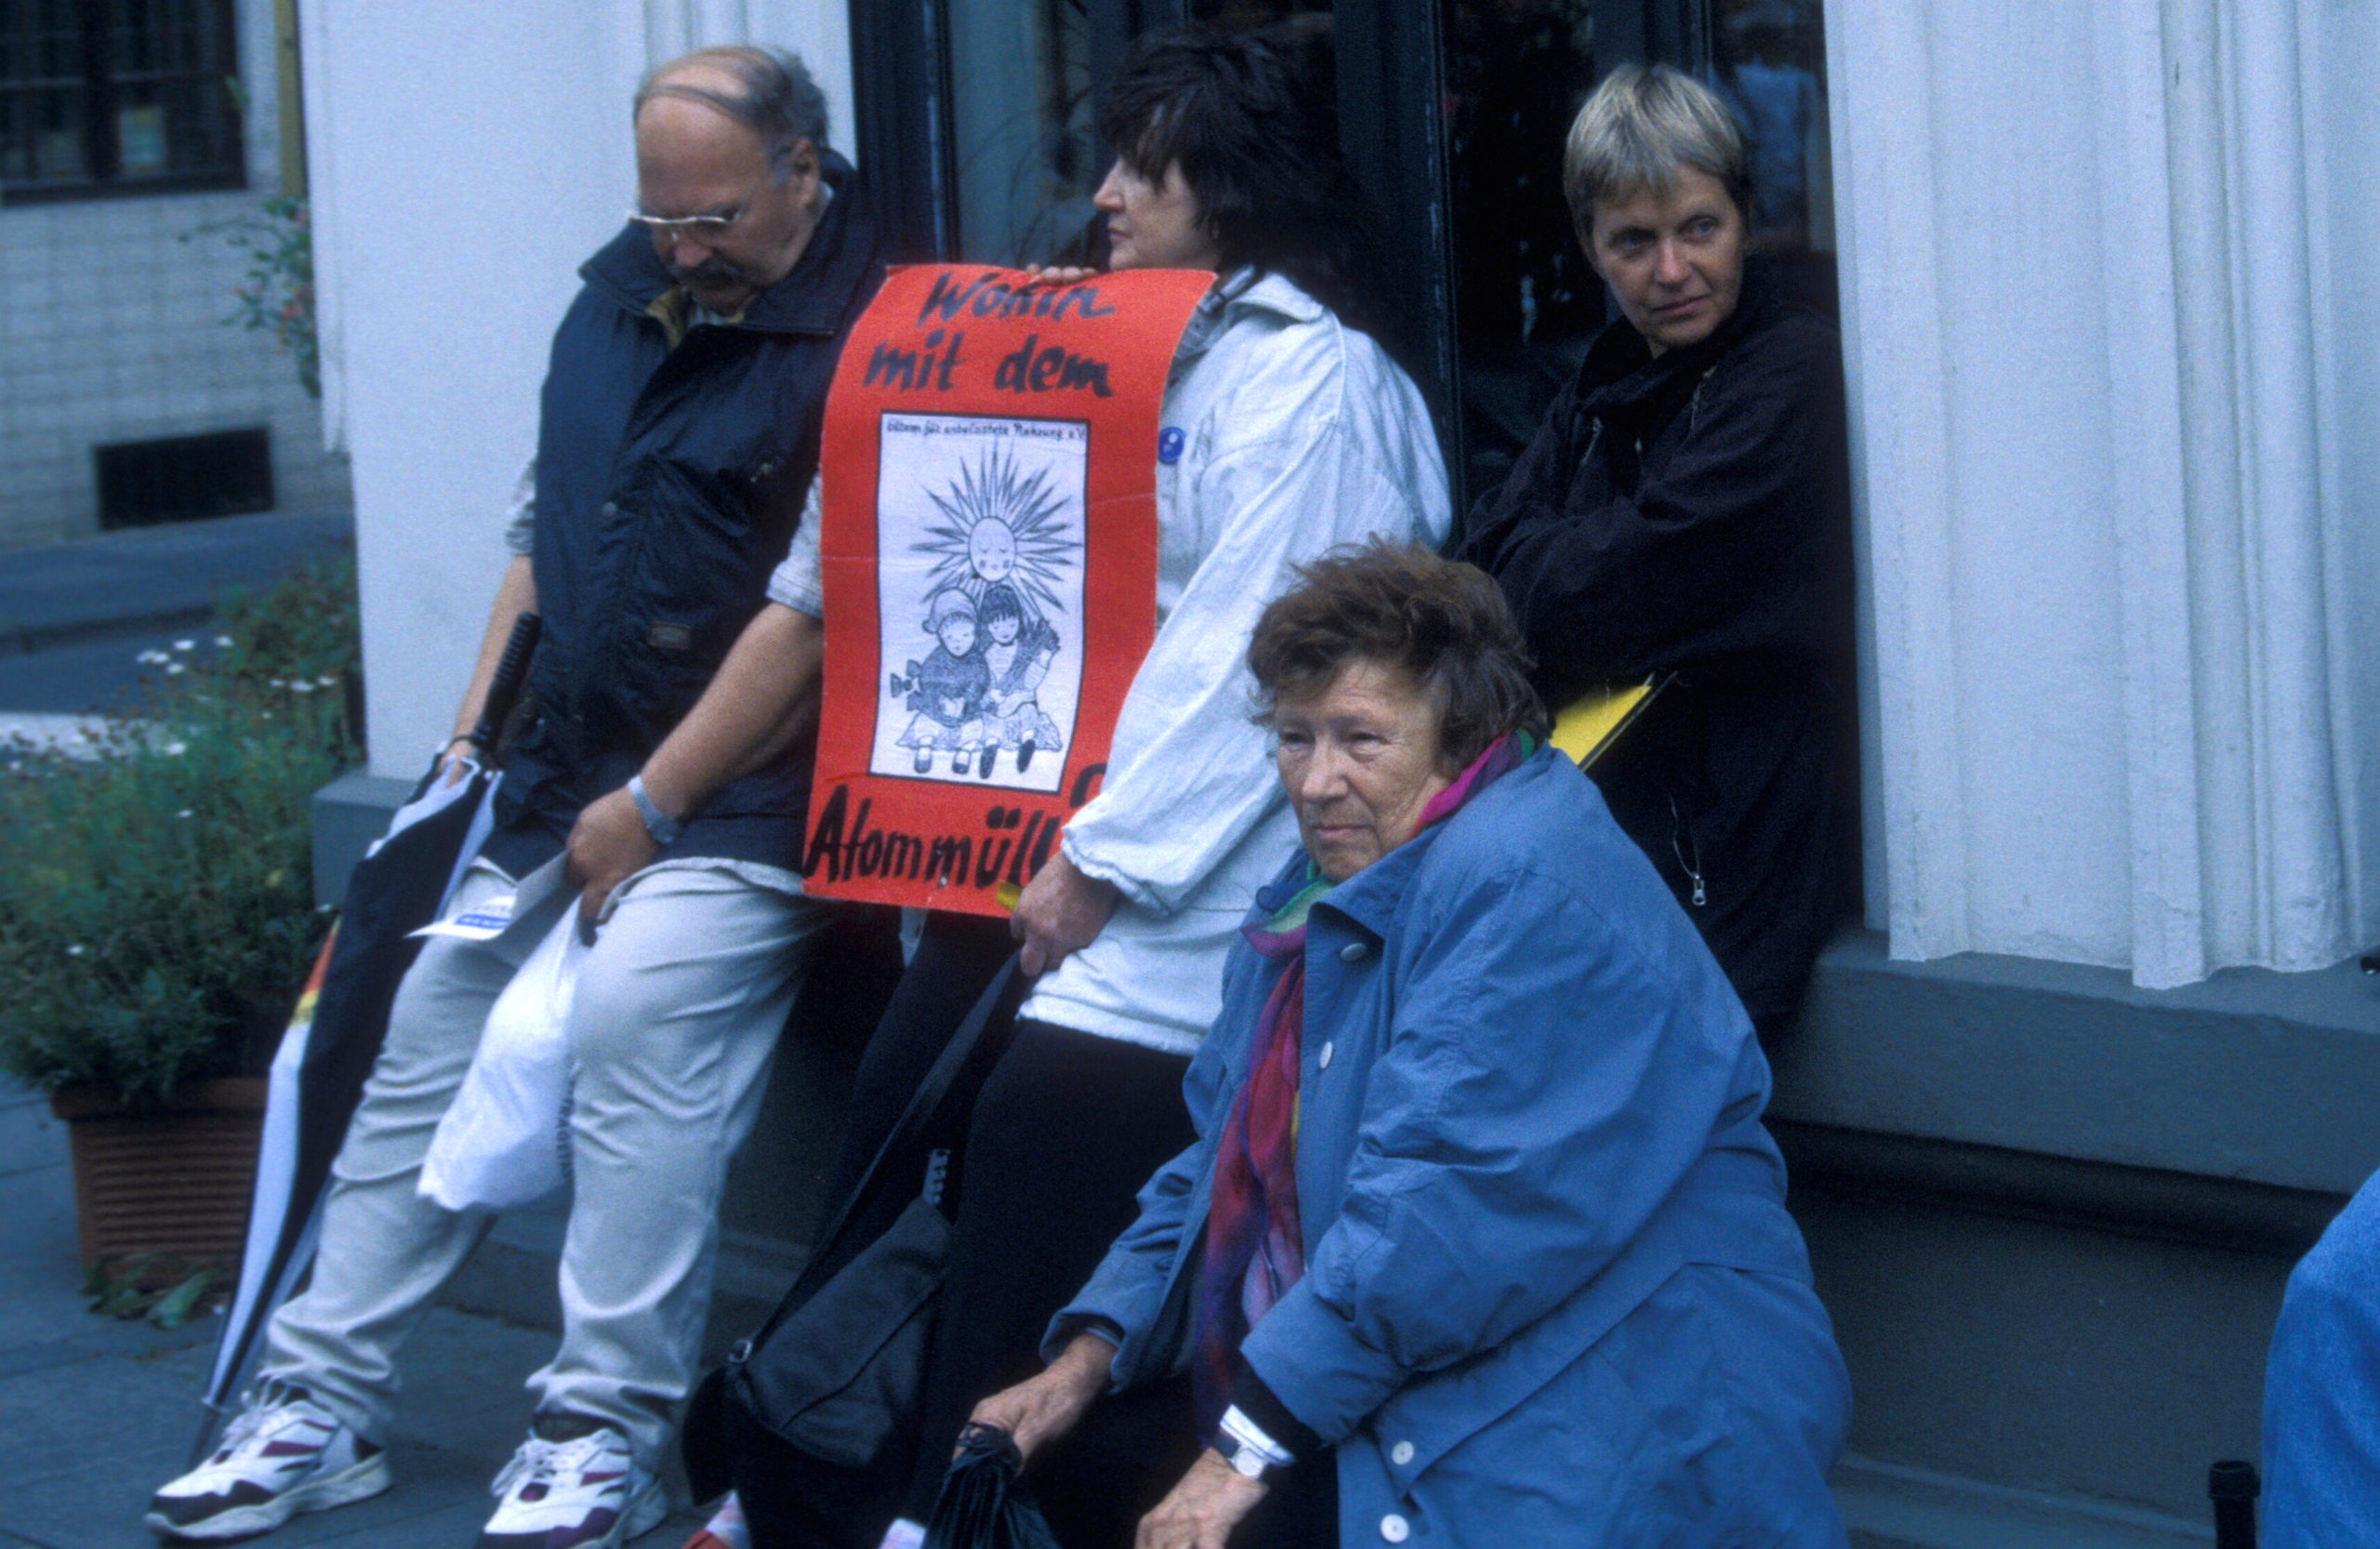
x=1481, y=1241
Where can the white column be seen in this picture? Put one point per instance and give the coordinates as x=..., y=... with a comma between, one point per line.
x=2117, y=509
x=818, y=30
x=466, y=159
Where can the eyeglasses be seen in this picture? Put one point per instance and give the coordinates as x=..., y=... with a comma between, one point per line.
x=701, y=228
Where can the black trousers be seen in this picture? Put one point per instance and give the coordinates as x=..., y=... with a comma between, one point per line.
x=956, y=961
x=1051, y=1133
x=1300, y=1509
x=1066, y=1130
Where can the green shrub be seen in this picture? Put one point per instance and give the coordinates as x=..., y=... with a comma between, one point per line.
x=157, y=897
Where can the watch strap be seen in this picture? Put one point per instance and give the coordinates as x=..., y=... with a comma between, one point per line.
x=663, y=829
x=1245, y=1446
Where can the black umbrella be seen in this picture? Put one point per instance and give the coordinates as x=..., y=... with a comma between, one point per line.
x=342, y=1018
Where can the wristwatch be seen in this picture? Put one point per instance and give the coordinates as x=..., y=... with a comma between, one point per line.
x=1243, y=1456
x=660, y=825
x=1245, y=1446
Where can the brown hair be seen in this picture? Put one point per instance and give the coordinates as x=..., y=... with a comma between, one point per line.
x=1440, y=622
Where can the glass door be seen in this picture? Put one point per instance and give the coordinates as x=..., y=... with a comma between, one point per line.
x=976, y=132
x=1525, y=303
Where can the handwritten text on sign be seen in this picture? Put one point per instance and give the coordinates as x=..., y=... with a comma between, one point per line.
x=990, y=556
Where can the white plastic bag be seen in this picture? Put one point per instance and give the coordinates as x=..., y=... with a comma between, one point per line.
x=504, y=1141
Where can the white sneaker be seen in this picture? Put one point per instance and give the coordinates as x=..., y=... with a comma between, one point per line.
x=283, y=1454
x=726, y=1528
x=586, y=1493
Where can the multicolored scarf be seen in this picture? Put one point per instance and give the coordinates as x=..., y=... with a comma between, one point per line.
x=1254, y=1251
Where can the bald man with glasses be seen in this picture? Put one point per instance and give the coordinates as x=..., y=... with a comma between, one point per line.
x=665, y=531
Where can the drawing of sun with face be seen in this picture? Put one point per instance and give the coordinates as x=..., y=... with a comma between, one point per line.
x=1001, y=525
x=991, y=549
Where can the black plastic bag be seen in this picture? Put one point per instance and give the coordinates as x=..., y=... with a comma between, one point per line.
x=983, y=1503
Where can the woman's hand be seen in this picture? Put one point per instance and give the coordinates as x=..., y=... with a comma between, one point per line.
x=1060, y=911
x=1203, y=1509
x=1047, y=1407
x=1041, y=274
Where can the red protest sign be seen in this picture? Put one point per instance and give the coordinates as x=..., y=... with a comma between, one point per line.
x=990, y=553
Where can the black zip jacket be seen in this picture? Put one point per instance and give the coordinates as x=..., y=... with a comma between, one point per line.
x=1689, y=514
x=672, y=464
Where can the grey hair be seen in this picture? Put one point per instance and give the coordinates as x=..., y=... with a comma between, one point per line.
x=1642, y=124
x=779, y=101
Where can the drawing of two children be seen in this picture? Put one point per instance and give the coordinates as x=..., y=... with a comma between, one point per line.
x=977, y=692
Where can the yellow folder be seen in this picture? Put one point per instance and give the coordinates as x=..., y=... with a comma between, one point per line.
x=1590, y=723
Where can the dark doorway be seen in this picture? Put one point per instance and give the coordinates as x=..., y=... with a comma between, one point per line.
x=143, y=483
x=976, y=127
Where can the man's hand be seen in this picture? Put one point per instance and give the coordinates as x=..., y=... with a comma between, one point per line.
x=1045, y=1407
x=1203, y=1509
x=765, y=695
x=1060, y=911
x=451, y=765
x=608, y=845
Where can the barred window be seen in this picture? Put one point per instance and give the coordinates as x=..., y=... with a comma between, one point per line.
x=111, y=96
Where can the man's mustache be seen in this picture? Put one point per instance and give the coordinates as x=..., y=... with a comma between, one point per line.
x=712, y=272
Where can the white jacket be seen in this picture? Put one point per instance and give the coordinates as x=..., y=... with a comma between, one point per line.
x=1298, y=434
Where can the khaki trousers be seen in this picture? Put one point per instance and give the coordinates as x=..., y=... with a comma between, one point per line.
x=676, y=1015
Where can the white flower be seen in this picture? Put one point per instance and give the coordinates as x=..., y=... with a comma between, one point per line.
x=299, y=685
x=223, y=642
x=184, y=813
x=76, y=950
x=152, y=658
x=175, y=750
x=326, y=681
x=185, y=645
x=175, y=669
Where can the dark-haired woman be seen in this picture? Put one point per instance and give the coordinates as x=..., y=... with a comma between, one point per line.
x=1286, y=430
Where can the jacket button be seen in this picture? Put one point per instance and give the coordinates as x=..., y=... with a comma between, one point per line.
x=1401, y=1454
x=610, y=508
x=1322, y=1060
x=1353, y=952
x=1395, y=1529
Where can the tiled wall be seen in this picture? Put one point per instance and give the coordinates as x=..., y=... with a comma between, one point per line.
x=112, y=329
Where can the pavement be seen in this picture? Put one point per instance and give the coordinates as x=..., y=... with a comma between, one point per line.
x=95, y=1413
x=76, y=617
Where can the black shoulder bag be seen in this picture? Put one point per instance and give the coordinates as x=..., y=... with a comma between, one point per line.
x=814, y=1419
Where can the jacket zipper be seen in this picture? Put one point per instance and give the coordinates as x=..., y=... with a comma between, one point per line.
x=1693, y=868
x=1694, y=405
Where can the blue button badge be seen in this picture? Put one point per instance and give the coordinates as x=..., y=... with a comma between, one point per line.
x=1168, y=445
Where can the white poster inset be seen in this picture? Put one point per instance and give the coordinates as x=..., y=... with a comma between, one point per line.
x=979, y=576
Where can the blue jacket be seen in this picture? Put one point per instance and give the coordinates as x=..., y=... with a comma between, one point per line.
x=672, y=464
x=1551, y=1294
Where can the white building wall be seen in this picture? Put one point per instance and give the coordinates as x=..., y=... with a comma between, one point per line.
x=2110, y=327
x=466, y=159
x=111, y=329
x=2114, y=341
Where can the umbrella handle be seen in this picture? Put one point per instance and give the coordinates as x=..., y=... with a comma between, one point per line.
x=205, y=1437
x=511, y=675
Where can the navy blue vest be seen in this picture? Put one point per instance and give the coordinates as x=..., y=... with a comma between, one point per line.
x=668, y=484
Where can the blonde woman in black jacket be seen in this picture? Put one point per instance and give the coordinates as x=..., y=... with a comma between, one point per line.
x=1683, y=509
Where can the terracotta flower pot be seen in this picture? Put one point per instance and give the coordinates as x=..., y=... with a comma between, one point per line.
x=173, y=1183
